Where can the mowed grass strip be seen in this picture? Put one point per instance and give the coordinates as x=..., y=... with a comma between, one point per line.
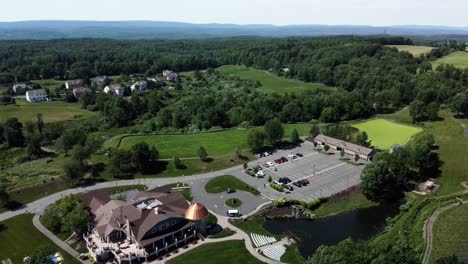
x=186, y=145
x=270, y=82
x=451, y=234
x=384, y=133
x=52, y=111
x=19, y=238
x=222, y=183
x=414, y=50
x=228, y=252
x=458, y=59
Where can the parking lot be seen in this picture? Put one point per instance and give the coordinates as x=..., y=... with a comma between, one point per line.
x=326, y=172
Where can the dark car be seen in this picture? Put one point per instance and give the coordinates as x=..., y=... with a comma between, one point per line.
x=284, y=159
x=299, y=155
x=297, y=183
x=287, y=180
x=229, y=190
x=283, y=180
x=306, y=181
x=289, y=187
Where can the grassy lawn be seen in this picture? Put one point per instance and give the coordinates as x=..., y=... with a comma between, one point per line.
x=229, y=252
x=223, y=233
x=222, y=183
x=458, y=59
x=233, y=202
x=121, y=189
x=450, y=234
x=351, y=203
x=52, y=111
x=254, y=225
x=384, y=133
x=51, y=84
x=186, y=192
x=186, y=145
x=414, y=50
x=270, y=82
x=19, y=238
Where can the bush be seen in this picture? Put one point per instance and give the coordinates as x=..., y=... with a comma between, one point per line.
x=312, y=205
x=277, y=187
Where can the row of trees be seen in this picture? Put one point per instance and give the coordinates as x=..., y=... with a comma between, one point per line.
x=141, y=157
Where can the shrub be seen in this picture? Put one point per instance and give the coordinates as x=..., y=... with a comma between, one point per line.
x=308, y=205
x=277, y=187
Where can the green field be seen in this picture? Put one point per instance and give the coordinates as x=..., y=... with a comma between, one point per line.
x=186, y=145
x=222, y=183
x=52, y=111
x=451, y=233
x=384, y=133
x=414, y=50
x=19, y=238
x=229, y=252
x=270, y=82
x=458, y=59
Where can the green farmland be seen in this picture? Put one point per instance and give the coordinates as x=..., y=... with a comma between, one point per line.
x=450, y=234
x=458, y=59
x=414, y=50
x=384, y=133
x=186, y=145
x=270, y=82
x=52, y=111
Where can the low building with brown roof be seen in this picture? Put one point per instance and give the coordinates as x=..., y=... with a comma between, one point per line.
x=148, y=224
x=364, y=153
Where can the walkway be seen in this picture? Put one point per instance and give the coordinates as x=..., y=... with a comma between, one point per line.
x=37, y=223
x=428, y=229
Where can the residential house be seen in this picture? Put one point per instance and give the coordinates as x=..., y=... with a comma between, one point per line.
x=142, y=228
x=36, y=95
x=114, y=88
x=170, y=76
x=141, y=86
x=101, y=80
x=158, y=80
x=72, y=84
x=352, y=149
x=79, y=92
x=20, y=88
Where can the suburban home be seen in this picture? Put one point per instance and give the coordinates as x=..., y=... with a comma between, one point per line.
x=72, y=84
x=352, y=149
x=141, y=86
x=36, y=95
x=170, y=76
x=158, y=80
x=20, y=88
x=143, y=227
x=79, y=92
x=114, y=88
x=101, y=80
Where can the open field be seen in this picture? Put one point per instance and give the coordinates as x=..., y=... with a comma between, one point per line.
x=354, y=202
x=51, y=84
x=384, y=133
x=451, y=233
x=270, y=82
x=458, y=59
x=414, y=50
x=222, y=183
x=229, y=252
x=186, y=145
x=52, y=111
x=19, y=238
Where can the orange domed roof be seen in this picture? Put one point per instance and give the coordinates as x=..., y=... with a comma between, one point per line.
x=196, y=212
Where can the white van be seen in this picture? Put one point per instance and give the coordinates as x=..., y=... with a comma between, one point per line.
x=260, y=174
x=233, y=213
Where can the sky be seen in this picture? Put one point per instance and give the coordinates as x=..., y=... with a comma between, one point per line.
x=276, y=12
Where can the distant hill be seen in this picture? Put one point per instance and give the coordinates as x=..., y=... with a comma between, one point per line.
x=176, y=30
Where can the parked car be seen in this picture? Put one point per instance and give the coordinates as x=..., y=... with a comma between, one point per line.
x=277, y=182
x=291, y=156
x=270, y=163
x=266, y=154
x=284, y=159
x=306, y=181
x=277, y=161
x=260, y=174
x=233, y=213
x=289, y=187
x=229, y=190
x=299, y=155
x=297, y=183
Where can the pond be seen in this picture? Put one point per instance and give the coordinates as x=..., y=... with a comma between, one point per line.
x=357, y=225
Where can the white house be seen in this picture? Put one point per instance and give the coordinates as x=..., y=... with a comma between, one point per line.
x=72, y=84
x=114, y=88
x=170, y=76
x=141, y=85
x=36, y=95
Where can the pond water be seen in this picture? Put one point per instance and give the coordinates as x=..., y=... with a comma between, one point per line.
x=358, y=225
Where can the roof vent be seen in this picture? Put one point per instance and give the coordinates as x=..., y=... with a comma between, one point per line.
x=156, y=211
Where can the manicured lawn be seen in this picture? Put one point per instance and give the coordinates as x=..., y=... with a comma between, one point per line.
x=415, y=50
x=353, y=202
x=384, y=133
x=222, y=183
x=19, y=238
x=270, y=82
x=233, y=202
x=228, y=252
x=458, y=59
x=253, y=225
x=451, y=233
x=223, y=233
x=120, y=189
x=52, y=111
x=186, y=145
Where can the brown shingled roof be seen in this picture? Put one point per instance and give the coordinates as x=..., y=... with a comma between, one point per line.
x=343, y=144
